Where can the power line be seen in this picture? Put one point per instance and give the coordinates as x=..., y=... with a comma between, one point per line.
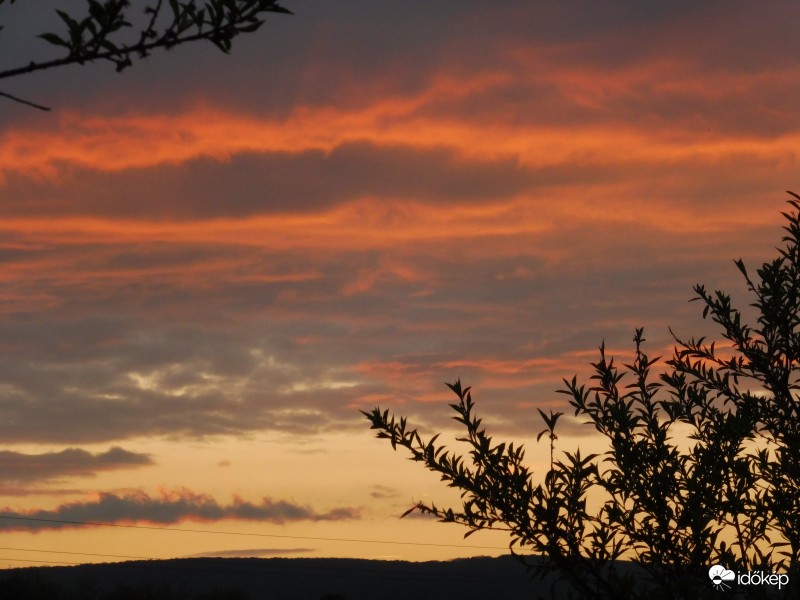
x=79, y=553
x=242, y=560
x=249, y=534
x=49, y=562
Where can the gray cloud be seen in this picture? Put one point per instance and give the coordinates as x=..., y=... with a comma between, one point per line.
x=20, y=467
x=380, y=492
x=270, y=183
x=170, y=508
x=308, y=61
x=346, y=55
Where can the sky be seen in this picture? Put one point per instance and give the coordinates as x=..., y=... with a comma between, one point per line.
x=209, y=263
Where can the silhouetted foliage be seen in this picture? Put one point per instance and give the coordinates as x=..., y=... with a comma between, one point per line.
x=100, y=32
x=732, y=498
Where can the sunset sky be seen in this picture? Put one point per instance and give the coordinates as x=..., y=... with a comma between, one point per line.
x=209, y=264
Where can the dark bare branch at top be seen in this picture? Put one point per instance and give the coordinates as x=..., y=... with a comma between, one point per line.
x=106, y=32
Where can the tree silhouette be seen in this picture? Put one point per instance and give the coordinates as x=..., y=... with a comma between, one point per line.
x=100, y=33
x=731, y=499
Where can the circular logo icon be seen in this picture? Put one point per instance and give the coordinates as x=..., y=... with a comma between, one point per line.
x=720, y=577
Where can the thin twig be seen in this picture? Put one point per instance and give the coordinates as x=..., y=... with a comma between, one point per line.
x=23, y=101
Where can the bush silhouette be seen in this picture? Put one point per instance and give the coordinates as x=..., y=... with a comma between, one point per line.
x=731, y=499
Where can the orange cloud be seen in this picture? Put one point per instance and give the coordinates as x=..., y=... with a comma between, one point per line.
x=420, y=120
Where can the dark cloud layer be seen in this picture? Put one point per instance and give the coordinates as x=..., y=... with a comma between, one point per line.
x=168, y=509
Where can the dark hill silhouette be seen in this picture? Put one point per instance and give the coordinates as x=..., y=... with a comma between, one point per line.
x=273, y=579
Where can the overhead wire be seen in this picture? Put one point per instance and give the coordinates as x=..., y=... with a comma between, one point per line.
x=230, y=561
x=248, y=534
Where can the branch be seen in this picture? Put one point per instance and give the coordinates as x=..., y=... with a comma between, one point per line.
x=23, y=101
x=223, y=28
x=90, y=39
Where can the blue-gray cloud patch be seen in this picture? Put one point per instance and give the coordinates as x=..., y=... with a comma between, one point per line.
x=71, y=462
x=166, y=509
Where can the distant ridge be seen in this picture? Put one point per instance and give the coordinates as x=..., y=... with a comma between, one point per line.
x=481, y=578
